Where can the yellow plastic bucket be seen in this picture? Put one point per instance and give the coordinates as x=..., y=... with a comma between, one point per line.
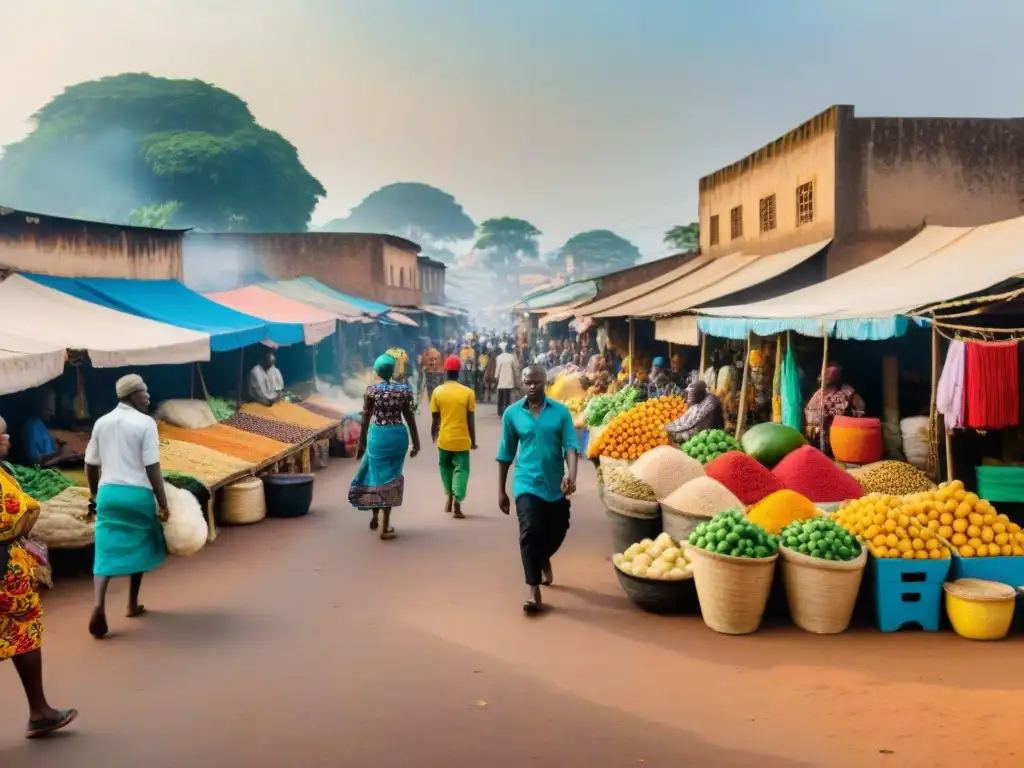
x=979, y=609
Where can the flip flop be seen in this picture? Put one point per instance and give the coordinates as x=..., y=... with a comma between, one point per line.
x=532, y=607
x=38, y=728
x=388, y=534
x=134, y=613
x=459, y=516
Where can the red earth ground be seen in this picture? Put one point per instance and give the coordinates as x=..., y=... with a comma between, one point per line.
x=309, y=642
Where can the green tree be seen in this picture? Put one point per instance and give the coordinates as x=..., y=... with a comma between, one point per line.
x=158, y=215
x=418, y=212
x=133, y=142
x=685, y=237
x=597, y=252
x=505, y=242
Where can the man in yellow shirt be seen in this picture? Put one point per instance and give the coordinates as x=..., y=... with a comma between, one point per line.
x=453, y=428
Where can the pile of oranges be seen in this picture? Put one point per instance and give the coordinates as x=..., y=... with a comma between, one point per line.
x=631, y=434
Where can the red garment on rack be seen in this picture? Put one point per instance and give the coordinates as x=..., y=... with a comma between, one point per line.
x=992, y=386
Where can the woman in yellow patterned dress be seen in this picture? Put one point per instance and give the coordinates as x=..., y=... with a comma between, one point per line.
x=21, y=623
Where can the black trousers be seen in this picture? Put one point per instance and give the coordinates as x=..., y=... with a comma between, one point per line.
x=542, y=529
x=504, y=400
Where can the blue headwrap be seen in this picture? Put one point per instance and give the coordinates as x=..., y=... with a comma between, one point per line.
x=658, y=362
x=384, y=366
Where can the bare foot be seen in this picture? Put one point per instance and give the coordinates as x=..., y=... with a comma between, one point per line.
x=547, y=576
x=138, y=610
x=458, y=512
x=98, y=624
x=448, y=505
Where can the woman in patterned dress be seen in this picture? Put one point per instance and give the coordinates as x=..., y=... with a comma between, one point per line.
x=379, y=484
x=21, y=622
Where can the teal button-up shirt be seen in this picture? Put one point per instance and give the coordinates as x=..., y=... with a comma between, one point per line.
x=541, y=442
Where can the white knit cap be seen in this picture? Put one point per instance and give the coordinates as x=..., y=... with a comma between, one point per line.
x=129, y=385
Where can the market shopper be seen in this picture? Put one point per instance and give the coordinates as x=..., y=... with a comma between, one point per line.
x=379, y=485
x=505, y=374
x=833, y=399
x=538, y=434
x=453, y=429
x=38, y=446
x=265, y=380
x=21, y=615
x=122, y=466
x=432, y=366
x=659, y=382
x=703, y=411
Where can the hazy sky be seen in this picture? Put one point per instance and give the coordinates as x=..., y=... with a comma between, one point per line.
x=575, y=114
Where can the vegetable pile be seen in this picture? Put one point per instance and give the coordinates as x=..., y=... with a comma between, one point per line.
x=894, y=531
x=603, y=408
x=41, y=484
x=709, y=445
x=821, y=538
x=660, y=559
x=769, y=443
x=221, y=408
x=622, y=481
x=638, y=430
x=969, y=523
x=730, y=533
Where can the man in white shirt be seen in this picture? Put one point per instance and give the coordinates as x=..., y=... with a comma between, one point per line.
x=265, y=380
x=506, y=373
x=122, y=465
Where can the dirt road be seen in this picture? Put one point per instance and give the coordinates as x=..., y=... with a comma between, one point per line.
x=311, y=643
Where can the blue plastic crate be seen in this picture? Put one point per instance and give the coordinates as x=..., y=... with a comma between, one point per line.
x=1006, y=570
x=908, y=592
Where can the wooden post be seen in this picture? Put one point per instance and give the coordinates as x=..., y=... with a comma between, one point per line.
x=703, y=354
x=950, y=469
x=741, y=414
x=202, y=381
x=241, y=375
x=211, y=523
x=933, y=411
x=824, y=370
x=632, y=350
x=192, y=383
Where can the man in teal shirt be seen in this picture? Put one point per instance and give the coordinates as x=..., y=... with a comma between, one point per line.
x=538, y=434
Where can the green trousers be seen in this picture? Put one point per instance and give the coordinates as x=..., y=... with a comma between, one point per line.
x=454, y=467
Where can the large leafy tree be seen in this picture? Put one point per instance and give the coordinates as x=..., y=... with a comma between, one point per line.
x=685, y=237
x=506, y=242
x=128, y=146
x=598, y=251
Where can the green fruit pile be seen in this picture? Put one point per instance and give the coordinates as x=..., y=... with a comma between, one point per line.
x=821, y=537
x=730, y=533
x=709, y=445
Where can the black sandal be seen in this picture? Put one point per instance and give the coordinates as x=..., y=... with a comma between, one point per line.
x=38, y=728
x=532, y=607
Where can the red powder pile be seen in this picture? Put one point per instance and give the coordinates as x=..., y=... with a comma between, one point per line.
x=745, y=476
x=811, y=473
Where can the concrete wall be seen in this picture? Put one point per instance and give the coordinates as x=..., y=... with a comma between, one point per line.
x=805, y=154
x=52, y=245
x=432, y=281
x=353, y=263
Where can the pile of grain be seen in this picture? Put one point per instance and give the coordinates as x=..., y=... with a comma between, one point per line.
x=205, y=464
x=64, y=521
x=665, y=469
x=622, y=481
x=228, y=440
x=702, y=497
x=810, y=472
x=894, y=478
x=280, y=431
x=746, y=477
x=290, y=413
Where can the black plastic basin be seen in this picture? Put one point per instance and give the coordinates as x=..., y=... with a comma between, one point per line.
x=288, y=495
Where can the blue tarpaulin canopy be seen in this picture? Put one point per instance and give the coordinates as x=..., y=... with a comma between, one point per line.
x=169, y=301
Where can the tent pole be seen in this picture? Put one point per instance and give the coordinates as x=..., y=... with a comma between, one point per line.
x=241, y=375
x=703, y=354
x=824, y=371
x=632, y=351
x=741, y=414
x=933, y=410
x=202, y=381
x=192, y=383
x=950, y=473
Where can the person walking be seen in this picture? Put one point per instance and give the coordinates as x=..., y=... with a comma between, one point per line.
x=21, y=614
x=379, y=485
x=538, y=434
x=126, y=487
x=453, y=428
x=505, y=368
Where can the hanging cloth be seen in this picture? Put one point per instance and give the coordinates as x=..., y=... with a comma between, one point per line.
x=992, y=386
x=792, y=402
x=950, y=394
x=777, y=382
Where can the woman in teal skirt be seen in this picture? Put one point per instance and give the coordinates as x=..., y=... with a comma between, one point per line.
x=379, y=484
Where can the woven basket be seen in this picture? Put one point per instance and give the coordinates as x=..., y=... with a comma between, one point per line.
x=623, y=505
x=678, y=524
x=243, y=502
x=821, y=593
x=733, y=591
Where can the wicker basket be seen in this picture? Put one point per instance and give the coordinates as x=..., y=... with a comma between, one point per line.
x=821, y=593
x=243, y=502
x=678, y=524
x=733, y=591
x=657, y=596
x=624, y=505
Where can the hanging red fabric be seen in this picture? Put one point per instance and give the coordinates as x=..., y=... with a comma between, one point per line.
x=992, y=386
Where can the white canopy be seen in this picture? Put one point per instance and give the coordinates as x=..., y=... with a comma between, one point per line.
x=112, y=339
x=27, y=363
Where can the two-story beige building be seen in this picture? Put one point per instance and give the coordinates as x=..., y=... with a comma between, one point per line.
x=868, y=184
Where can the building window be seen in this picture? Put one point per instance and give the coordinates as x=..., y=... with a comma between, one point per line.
x=805, y=203
x=736, y=222
x=391, y=274
x=713, y=236
x=401, y=277
x=768, y=220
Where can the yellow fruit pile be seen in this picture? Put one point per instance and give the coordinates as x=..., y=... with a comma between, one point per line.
x=969, y=523
x=894, y=528
x=631, y=434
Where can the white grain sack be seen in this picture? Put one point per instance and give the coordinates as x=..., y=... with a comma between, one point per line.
x=702, y=497
x=665, y=469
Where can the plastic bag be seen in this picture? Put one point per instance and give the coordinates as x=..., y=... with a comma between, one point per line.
x=792, y=405
x=187, y=414
x=185, y=530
